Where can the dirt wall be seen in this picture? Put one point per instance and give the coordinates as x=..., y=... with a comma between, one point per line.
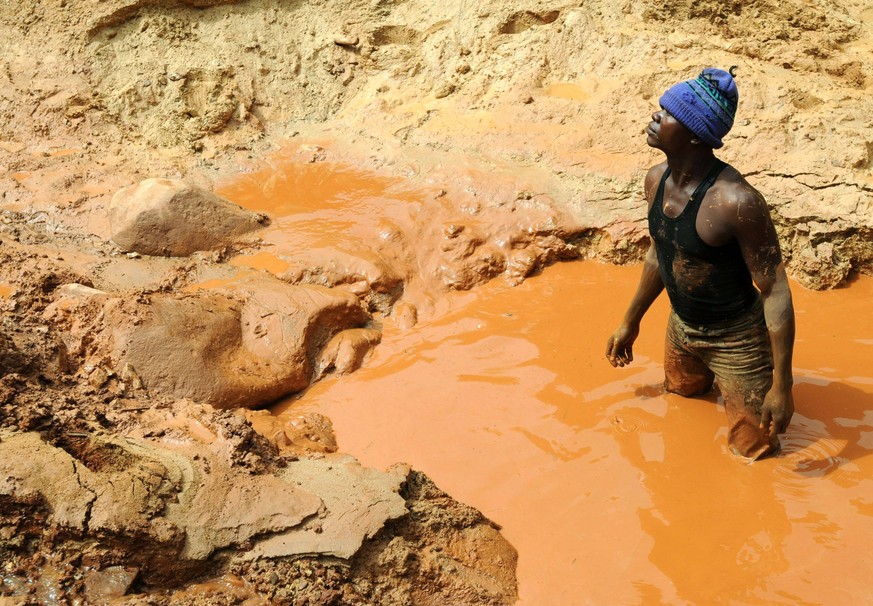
x=560, y=92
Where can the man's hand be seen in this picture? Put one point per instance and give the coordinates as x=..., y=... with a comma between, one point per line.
x=777, y=410
x=619, y=348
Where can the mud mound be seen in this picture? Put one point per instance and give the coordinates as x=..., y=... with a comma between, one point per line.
x=71, y=501
x=243, y=347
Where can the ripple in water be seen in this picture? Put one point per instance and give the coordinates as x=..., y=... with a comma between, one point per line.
x=808, y=453
x=625, y=423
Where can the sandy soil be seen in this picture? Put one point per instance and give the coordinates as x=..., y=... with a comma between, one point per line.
x=483, y=142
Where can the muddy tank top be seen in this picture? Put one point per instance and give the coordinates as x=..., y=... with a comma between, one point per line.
x=706, y=284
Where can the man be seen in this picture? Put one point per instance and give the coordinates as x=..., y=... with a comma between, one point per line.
x=713, y=243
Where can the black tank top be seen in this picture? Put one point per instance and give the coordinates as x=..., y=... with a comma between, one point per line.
x=706, y=284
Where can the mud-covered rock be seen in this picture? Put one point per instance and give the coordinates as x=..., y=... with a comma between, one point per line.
x=248, y=343
x=113, y=485
x=110, y=583
x=346, y=351
x=173, y=218
x=297, y=433
x=112, y=488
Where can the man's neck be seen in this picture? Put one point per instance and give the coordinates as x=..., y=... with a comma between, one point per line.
x=691, y=167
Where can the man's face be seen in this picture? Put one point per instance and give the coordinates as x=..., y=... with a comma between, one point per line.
x=666, y=132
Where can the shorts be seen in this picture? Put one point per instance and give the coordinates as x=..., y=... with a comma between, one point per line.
x=737, y=353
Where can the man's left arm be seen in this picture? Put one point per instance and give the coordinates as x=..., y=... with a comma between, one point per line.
x=759, y=243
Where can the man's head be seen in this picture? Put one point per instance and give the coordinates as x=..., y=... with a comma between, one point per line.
x=706, y=105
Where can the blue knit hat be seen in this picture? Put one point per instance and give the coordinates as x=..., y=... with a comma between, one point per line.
x=706, y=105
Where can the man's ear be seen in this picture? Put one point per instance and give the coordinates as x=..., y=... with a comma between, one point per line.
x=695, y=141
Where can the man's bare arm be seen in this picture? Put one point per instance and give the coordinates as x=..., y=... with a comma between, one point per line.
x=754, y=230
x=619, y=347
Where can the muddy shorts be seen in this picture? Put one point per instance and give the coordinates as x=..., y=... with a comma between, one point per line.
x=738, y=355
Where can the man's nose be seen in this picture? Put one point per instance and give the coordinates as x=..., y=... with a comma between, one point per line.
x=657, y=115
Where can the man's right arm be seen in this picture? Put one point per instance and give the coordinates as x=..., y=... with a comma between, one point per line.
x=619, y=347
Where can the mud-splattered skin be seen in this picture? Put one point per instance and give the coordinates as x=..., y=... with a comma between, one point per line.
x=732, y=210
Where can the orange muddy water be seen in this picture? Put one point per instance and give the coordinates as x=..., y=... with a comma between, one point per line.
x=612, y=491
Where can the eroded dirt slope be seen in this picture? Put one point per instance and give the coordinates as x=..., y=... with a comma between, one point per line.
x=553, y=93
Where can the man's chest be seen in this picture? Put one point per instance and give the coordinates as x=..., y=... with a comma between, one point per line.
x=703, y=219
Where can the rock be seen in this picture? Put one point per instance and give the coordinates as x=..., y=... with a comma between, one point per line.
x=183, y=500
x=405, y=315
x=444, y=90
x=111, y=582
x=351, y=41
x=235, y=348
x=187, y=502
x=311, y=432
x=248, y=343
x=130, y=377
x=346, y=351
x=169, y=217
x=300, y=433
x=819, y=268
x=357, y=500
x=520, y=264
x=98, y=377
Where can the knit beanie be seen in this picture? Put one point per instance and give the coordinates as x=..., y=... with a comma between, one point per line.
x=706, y=105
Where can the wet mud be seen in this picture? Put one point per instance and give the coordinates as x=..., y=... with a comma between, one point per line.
x=120, y=476
x=609, y=488
x=612, y=490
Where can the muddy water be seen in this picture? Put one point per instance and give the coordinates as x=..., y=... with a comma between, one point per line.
x=612, y=491
x=319, y=204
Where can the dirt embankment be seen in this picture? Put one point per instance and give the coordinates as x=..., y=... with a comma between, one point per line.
x=113, y=484
x=520, y=125
x=554, y=96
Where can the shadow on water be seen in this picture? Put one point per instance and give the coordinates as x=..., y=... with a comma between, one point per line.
x=833, y=426
x=763, y=521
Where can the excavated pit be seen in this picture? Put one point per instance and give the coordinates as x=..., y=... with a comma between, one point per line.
x=429, y=190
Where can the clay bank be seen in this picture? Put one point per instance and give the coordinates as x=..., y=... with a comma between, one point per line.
x=211, y=205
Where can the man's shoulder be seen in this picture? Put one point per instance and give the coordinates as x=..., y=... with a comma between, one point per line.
x=734, y=189
x=656, y=171
x=653, y=177
x=736, y=200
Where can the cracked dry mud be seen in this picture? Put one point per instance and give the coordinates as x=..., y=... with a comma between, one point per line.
x=479, y=141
